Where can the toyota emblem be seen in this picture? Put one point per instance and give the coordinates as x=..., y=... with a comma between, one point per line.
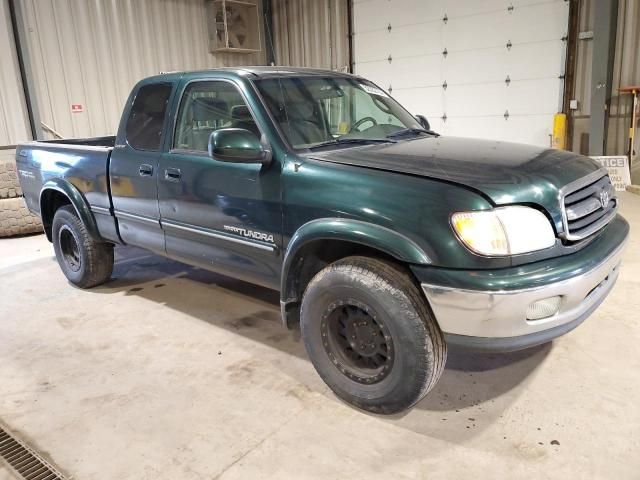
x=604, y=198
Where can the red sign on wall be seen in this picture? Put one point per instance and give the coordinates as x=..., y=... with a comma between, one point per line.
x=77, y=108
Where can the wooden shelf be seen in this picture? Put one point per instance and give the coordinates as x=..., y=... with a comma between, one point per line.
x=631, y=89
x=236, y=2
x=236, y=50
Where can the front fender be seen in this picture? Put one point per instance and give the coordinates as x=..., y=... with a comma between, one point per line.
x=355, y=231
x=76, y=199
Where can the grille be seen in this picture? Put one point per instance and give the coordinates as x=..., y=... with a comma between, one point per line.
x=24, y=460
x=588, y=205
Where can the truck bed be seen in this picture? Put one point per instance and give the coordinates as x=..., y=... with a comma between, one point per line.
x=106, y=141
x=84, y=163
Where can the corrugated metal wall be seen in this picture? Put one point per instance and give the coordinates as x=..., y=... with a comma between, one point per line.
x=311, y=33
x=14, y=122
x=91, y=52
x=626, y=72
x=581, y=116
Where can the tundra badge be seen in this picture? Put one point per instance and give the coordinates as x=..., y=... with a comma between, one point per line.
x=265, y=237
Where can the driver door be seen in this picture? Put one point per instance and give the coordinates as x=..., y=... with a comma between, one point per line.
x=218, y=215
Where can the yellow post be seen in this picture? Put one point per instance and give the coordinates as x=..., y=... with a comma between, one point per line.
x=559, y=138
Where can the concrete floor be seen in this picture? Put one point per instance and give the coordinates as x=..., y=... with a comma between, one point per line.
x=173, y=372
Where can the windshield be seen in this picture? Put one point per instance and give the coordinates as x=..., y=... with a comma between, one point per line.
x=325, y=111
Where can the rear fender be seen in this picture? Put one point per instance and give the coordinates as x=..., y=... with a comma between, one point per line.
x=76, y=199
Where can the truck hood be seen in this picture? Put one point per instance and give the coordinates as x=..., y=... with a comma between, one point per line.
x=506, y=173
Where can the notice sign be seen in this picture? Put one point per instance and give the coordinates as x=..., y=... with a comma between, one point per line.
x=618, y=168
x=76, y=108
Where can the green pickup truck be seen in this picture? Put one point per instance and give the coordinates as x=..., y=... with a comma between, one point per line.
x=388, y=242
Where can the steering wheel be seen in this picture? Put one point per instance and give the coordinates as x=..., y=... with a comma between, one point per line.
x=361, y=121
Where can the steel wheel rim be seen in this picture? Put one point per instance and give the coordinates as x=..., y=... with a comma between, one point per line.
x=357, y=342
x=69, y=249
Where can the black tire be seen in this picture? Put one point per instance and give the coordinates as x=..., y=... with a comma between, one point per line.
x=358, y=300
x=84, y=261
x=9, y=184
x=16, y=219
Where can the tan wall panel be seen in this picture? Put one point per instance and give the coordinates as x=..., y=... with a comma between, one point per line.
x=91, y=52
x=626, y=71
x=14, y=121
x=311, y=33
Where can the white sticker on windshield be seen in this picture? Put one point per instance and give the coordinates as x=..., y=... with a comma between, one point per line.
x=373, y=90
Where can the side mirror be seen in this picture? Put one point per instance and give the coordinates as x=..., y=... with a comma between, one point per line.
x=237, y=145
x=424, y=122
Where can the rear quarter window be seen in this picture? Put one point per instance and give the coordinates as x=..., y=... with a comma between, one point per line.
x=146, y=119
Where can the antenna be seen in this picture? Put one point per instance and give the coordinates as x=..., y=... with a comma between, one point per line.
x=267, y=23
x=269, y=35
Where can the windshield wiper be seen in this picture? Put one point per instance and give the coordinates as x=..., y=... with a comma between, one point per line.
x=351, y=141
x=406, y=131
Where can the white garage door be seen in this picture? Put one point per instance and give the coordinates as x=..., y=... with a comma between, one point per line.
x=489, y=69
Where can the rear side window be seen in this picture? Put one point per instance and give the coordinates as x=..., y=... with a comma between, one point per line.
x=144, y=125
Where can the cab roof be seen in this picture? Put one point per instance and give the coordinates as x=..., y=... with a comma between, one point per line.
x=253, y=72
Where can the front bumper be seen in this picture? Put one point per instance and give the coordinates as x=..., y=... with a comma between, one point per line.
x=495, y=319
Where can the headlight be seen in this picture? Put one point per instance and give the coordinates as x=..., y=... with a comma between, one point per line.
x=504, y=230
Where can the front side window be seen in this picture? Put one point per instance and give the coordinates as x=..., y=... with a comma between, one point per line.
x=146, y=119
x=313, y=111
x=206, y=107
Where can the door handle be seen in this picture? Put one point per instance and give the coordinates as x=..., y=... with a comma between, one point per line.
x=145, y=170
x=172, y=174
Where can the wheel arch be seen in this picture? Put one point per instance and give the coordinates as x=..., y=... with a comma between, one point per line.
x=323, y=241
x=59, y=192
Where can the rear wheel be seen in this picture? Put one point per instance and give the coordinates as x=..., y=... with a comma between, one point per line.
x=84, y=261
x=371, y=336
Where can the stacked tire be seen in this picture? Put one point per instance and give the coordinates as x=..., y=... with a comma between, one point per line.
x=15, y=218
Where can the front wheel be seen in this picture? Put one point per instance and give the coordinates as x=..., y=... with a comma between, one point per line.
x=83, y=260
x=371, y=336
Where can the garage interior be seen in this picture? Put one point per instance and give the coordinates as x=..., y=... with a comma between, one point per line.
x=170, y=371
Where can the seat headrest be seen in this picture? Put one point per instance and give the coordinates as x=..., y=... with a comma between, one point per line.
x=302, y=111
x=240, y=112
x=206, y=109
x=155, y=104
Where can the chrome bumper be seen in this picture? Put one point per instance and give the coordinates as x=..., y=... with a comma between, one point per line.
x=502, y=314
